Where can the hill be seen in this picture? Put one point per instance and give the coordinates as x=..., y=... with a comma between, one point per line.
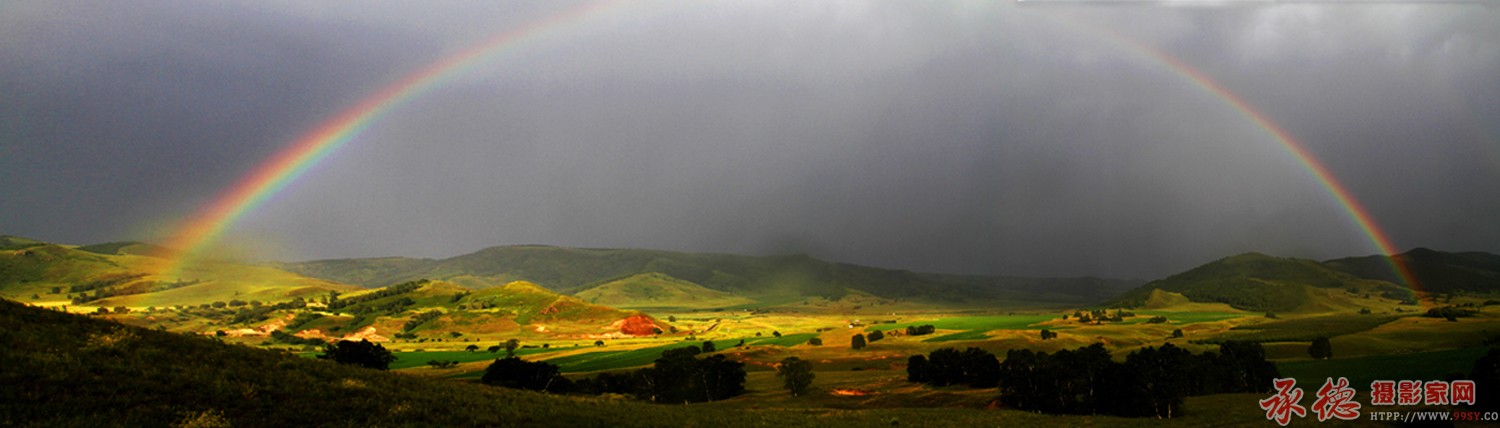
x=1435, y=271
x=8, y=242
x=126, y=274
x=657, y=290
x=759, y=278
x=124, y=248
x=1258, y=282
x=115, y=375
x=435, y=309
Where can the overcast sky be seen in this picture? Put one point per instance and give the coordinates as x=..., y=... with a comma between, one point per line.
x=969, y=137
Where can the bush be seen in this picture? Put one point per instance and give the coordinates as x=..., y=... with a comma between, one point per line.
x=1320, y=349
x=875, y=336
x=521, y=374
x=361, y=353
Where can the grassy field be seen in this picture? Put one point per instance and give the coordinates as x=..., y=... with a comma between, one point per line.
x=1185, y=318
x=1434, y=365
x=406, y=360
x=1306, y=329
x=612, y=360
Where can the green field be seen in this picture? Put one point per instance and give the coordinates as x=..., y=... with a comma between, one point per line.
x=1306, y=329
x=1434, y=365
x=974, y=326
x=405, y=360
x=609, y=360
x=1185, y=318
x=977, y=322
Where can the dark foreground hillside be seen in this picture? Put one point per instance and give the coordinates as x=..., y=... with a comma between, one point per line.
x=70, y=370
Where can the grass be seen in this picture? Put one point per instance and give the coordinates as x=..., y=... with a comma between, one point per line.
x=406, y=360
x=975, y=327
x=1307, y=329
x=1185, y=318
x=70, y=370
x=1433, y=365
x=612, y=360
x=976, y=322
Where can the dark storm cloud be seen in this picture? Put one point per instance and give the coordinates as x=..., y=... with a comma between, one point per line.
x=974, y=137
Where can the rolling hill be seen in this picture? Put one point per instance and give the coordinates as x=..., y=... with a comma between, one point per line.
x=760, y=278
x=1435, y=271
x=1258, y=282
x=125, y=274
x=435, y=308
x=657, y=290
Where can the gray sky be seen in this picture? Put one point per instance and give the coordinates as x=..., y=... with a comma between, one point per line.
x=967, y=137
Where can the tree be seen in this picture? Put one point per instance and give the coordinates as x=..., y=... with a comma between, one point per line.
x=858, y=342
x=776, y=333
x=1320, y=348
x=875, y=336
x=1048, y=334
x=362, y=353
x=1177, y=333
x=598, y=343
x=512, y=372
x=510, y=347
x=796, y=373
x=671, y=318
x=815, y=342
x=1486, y=377
x=708, y=346
x=471, y=348
x=916, y=369
x=493, y=349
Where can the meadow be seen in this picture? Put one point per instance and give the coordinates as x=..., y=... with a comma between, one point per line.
x=1424, y=366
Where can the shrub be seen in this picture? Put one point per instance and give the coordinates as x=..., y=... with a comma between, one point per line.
x=362, y=353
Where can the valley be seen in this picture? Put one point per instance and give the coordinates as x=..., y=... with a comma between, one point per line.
x=449, y=329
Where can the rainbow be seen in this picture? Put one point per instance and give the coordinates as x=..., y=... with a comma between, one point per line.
x=285, y=166
x=1325, y=178
x=274, y=174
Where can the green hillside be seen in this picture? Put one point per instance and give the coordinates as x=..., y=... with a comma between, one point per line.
x=574, y=269
x=433, y=309
x=124, y=248
x=656, y=290
x=73, y=370
x=1255, y=281
x=126, y=274
x=8, y=242
x=1435, y=271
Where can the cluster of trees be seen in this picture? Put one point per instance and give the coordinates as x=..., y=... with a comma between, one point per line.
x=1151, y=381
x=419, y=319
x=678, y=377
x=1451, y=313
x=362, y=353
x=1048, y=334
x=335, y=303
x=1097, y=316
x=948, y=366
x=918, y=330
x=512, y=372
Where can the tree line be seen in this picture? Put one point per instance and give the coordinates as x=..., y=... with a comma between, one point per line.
x=1150, y=382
